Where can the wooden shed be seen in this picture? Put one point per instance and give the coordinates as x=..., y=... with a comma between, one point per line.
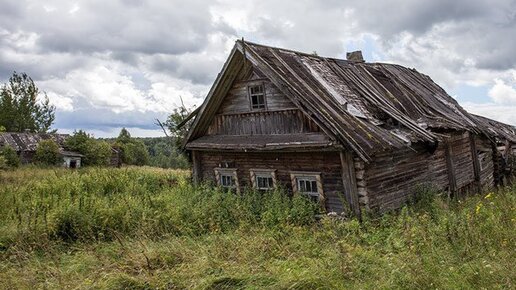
x=25, y=144
x=347, y=133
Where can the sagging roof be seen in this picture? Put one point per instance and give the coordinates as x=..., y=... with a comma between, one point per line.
x=497, y=129
x=366, y=107
x=21, y=142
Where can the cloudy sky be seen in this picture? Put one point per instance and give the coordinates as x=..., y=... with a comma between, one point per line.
x=123, y=63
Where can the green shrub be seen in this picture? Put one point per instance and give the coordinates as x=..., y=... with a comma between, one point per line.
x=71, y=225
x=425, y=200
x=96, y=153
x=3, y=163
x=10, y=157
x=47, y=153
x=134, y=153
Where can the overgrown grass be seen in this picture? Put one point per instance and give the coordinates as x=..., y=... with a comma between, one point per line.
x=145, y=228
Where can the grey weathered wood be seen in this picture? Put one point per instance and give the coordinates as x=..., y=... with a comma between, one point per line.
x=476, y=164
x=196, y=167
x=349, y=181
x=287, y=121
x=451, y=169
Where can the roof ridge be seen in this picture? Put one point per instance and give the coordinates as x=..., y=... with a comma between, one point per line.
x=296, y=51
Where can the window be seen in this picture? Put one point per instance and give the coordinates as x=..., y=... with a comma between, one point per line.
x=257, y=97
x=308, y=183
x=264, y=182
x=263, y=179
x=227, y=178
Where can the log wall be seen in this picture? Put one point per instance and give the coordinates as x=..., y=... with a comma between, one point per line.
x=393, y=177
x=382, y=184
x=327, y=163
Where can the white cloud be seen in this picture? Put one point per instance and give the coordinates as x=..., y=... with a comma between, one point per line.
x=501, y=93
x=499, y=112
x=61, y=103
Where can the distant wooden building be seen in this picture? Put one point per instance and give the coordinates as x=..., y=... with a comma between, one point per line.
x=25, y=144
x=116, y=158
x=71, y=159
x=345, y=132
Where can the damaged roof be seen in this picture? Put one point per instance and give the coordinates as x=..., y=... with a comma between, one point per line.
x=366, y=107
x=29, y=141
x=497, y=129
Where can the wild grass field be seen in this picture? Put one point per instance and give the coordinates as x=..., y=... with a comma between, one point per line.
x=146, y=228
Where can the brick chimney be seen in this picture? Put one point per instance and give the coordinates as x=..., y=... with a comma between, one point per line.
x=355, y=56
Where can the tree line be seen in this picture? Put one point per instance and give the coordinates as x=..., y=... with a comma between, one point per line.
x=24, y=108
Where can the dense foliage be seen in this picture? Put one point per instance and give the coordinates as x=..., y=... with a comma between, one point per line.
x=47, y=153
x=20, y=109
x=10, y=157
x=3, y=163
x=96, y=152
x=177, y=125
x=133, y=150
x=142, y=228
x=163, y=153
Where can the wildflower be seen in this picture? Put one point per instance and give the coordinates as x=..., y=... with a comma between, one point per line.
x=479, y=206
x=489, y=195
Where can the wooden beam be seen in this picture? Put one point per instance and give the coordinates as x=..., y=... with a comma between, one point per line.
x=476, y=163
x=349, y=182
x=450, y=168
x=196, y=168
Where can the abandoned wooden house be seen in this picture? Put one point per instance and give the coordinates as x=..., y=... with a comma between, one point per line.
x=25, y=144
x=345, y=132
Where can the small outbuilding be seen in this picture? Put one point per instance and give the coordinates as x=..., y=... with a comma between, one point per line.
x=71, y=159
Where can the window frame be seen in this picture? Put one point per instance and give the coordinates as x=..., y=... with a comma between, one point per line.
x=232, y=172
x=256, y=173
x=296, y=176
x=250, y=96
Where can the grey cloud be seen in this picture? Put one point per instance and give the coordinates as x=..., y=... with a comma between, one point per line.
x=172, y=27
x=193, y=67
x=388, y=18
x=173, y=40
x=478, y=30
x=93, y=118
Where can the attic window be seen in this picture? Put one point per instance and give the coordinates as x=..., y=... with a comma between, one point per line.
x=257, y=97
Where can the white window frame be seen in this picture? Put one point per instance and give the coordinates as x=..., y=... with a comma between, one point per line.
x=262, y=173
x=251, y=95
x=296, y=176
x=219, y=172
